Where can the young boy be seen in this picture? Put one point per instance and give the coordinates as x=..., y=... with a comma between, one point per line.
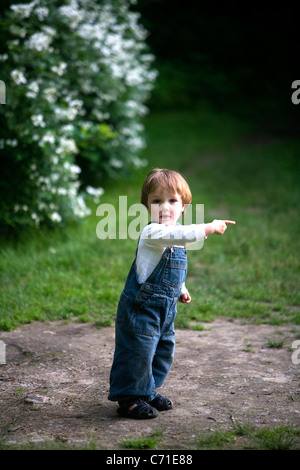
x=145, y=337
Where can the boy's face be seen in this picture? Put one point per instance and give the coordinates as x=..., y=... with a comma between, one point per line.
x=165, y=206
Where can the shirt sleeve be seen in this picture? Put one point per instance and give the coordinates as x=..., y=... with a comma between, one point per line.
x=183, y=289
x=161, y=235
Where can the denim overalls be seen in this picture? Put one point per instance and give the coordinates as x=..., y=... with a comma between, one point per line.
x=145, y=337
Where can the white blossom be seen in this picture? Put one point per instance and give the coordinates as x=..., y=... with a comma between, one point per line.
x=139, y=162
x=71, y=14
x=94, y=91
x=38, y=120
x=33, y=89
x=18, y=77
x=41, y=12
x=21, y=32
x=48, y=138
x=23, y=9
x=48, y=30
x=75, y=169
x=79, y=207
x=96, y=193
x=38, y=41
x=11, y=142
x=56, y=217
x=67, y=146
x=114, y=162
x=50, y=94
x=59, y=69
x=62, y=191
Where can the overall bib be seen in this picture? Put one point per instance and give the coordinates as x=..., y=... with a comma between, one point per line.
x=145, y=337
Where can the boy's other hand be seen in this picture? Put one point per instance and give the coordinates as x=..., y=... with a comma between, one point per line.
x=185, y=298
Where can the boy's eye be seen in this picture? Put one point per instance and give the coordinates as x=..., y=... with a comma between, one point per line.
x=157, y=201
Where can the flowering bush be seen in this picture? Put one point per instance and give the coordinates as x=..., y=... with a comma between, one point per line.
x=77, y=75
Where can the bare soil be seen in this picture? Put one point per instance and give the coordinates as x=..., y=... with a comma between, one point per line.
x=54, y=384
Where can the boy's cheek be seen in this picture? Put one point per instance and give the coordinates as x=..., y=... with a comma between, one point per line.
x=153, y=214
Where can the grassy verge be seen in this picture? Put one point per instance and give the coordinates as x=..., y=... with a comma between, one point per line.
x=252, y=438
x=251, y=272
x=240, y=437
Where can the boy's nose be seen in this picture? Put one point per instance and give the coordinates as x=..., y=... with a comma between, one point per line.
x=164, y=206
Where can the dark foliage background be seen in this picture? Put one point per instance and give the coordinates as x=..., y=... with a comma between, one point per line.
x=239, y=60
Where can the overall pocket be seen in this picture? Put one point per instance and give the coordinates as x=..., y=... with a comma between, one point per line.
x=146, y=313
x=174, y=273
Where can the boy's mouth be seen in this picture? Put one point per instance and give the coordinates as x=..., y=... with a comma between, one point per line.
x=164, y=217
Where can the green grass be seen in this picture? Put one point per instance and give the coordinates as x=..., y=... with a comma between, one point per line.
x=247, y=437
x=144, y=442
x=240, y=437
x=251, y=272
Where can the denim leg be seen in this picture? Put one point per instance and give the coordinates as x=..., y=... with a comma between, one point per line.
x=131, y=373
x=165, y=349
x=163, y=358
x=145, y=336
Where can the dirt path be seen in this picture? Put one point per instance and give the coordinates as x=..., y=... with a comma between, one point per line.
x=54, y=384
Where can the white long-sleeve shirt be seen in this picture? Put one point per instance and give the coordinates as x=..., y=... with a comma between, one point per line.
x=156, y=237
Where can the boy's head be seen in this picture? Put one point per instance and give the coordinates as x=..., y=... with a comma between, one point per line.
x=165, y=193
x=167, y=180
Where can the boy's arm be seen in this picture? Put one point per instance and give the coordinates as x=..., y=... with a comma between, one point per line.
x=161, y=235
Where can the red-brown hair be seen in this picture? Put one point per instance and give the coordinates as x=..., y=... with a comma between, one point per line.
x=166, y=179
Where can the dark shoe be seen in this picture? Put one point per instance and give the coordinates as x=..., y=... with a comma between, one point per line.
x=142, y=411
x=161, y=403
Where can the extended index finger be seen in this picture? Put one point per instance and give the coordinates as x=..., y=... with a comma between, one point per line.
x=230, y=222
